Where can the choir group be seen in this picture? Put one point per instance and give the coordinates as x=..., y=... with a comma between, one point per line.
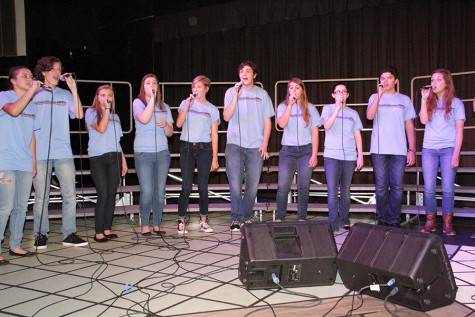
x=34, y=141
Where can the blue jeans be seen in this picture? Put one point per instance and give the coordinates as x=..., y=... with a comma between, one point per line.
x=339, y=174
x=243, y=164
x=105, y=171
x=66, y=174
x=15, y=188
x=201, y=155
x=152, y=171
x=293, y=158
x=389, y=180
x=431, y=160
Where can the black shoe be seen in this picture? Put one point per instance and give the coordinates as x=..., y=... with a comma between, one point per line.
x=382, y=223
x=160, y=232
x=75, y=241
x=235, y=226
x=111, y=236
x=27, y=254
x=4, y=262
x=346, y=227
x=100, y=240
x=396, y=225
x=146, y=234
x=41, y=241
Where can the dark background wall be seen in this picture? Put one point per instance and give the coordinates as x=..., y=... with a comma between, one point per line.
x=177, y=40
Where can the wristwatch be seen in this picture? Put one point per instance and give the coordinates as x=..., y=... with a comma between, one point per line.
x=411, y=150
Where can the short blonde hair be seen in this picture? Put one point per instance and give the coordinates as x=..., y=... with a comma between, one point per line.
x=205, y=80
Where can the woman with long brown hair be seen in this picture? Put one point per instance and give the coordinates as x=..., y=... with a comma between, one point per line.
x=300, y=121
x=443, y=115
x=17, y=155
x=153, y=124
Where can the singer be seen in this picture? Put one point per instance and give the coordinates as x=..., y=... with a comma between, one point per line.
x=199, y=146
x=300, y=121
x=393, y=121
x=106, y=158
x=153, y=124
x=17, y=155
x=248, y=109
x=443, y=115
x=343, y=152
x=53, y=150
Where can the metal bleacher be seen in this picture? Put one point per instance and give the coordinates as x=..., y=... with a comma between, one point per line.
x=362, y=195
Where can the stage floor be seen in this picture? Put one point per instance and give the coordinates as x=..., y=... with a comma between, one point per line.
x=194, y=275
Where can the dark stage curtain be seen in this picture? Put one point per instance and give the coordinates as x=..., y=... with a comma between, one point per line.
x=319, y=40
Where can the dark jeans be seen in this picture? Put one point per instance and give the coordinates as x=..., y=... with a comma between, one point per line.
x=339, y=174
x=389, y=180
x=293, y=158
x=105, y=172
x=199, y=153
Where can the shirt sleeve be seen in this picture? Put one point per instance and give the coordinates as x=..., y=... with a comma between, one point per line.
x=215, y=114
x=169, y=114
x=357, y=123
x=459, y=109
x=326, y=112
x=410, y=111
x=315, y=118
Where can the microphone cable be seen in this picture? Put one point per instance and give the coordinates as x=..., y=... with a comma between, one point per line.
x=81, y=159
x=46, y=176
x=298, y=145
x=377, y=125
x=240, y=155
x=157, y=104
x=416, y=165
x=119, y=169
x=343, y=131
x=187, y=216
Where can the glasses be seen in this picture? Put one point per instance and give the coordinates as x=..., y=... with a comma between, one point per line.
x=339, y=92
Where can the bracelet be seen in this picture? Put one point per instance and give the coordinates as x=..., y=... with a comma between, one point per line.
x=108, y=108
x=411, y=150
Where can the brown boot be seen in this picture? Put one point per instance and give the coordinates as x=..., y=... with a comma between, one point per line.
x=447, y=220
x=430, y=222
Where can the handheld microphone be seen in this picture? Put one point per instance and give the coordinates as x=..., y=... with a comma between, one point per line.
x=65, y=75
x=426, y=87
x=240, y=86
x=41, y=84
x=45, y=86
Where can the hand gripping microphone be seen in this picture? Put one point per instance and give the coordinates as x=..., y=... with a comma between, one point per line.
x=65, y=75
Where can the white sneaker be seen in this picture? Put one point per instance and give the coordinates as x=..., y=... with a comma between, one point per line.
x=205, y=227
x=180, y=228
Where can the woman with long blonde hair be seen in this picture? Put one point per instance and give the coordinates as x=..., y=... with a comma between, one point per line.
x=106, y=159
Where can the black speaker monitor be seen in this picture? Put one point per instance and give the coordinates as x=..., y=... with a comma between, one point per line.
x=298, y=253
x=418, y=262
